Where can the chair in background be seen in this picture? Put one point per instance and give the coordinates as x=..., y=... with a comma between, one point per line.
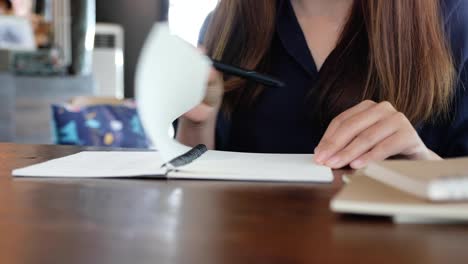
x=98, y=121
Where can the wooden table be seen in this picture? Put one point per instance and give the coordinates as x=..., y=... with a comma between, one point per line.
x=133, y=221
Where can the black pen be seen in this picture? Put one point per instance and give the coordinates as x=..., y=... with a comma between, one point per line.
x=247, y=74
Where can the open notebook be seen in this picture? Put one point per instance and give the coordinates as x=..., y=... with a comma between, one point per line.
x=211, y=166
x=171, y=80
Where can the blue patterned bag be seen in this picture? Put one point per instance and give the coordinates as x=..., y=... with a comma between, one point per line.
x=100, y=125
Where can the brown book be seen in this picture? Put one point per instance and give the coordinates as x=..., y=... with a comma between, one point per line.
x=367, y=196
x=445, y=180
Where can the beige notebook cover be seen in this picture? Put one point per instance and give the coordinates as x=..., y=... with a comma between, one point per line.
x=366, y=196
x=433, y=180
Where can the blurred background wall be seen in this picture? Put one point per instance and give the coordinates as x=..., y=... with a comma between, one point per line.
x=136, y=17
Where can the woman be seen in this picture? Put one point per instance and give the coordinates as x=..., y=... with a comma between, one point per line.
x=366, y=80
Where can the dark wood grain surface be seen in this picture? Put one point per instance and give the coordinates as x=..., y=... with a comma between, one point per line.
x=133, y=221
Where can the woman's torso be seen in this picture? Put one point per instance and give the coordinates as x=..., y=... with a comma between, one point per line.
x=281, y=121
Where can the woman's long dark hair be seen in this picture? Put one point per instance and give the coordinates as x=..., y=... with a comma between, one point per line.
x=9, y=5
x=392, y=51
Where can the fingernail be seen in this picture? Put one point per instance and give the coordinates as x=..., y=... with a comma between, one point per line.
x=358, y=164
x=333, y=161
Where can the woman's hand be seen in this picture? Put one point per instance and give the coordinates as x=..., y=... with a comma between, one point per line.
x=370, y=132
x=198, y=125
x=209, y=108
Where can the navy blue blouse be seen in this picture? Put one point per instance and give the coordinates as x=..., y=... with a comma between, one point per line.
x=279, y=123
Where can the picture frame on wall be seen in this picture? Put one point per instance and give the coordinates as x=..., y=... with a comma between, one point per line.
x=16, y=34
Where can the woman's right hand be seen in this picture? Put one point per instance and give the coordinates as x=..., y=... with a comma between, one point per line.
x=208, y=109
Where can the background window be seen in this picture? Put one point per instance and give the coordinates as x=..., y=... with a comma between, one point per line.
x=187, y=16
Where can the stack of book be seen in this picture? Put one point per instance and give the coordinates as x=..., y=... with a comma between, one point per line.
x=408, y=191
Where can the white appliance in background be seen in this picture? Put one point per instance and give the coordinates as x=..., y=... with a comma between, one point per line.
x=62, y=30
x=108, y=60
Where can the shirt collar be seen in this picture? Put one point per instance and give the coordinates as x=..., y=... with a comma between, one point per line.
x=292, y=37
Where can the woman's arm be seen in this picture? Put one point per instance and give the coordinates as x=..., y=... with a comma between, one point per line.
x=198, y=126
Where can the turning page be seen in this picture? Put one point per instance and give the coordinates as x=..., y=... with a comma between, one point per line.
x=170, y=80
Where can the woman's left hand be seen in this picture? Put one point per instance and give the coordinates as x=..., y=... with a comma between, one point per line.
x=370, y=132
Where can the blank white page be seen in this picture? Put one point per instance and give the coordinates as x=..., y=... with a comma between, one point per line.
x=234, y=166
x=91, y=164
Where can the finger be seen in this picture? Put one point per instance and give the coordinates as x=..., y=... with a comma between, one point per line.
x=399, y=143
x=333, y=126
x=365, y=141
x=215, y=89
x=389, y=147
x=405, y=142
x=214, y=77
x=344, y=116
x=199, y=113
x=351, y=128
